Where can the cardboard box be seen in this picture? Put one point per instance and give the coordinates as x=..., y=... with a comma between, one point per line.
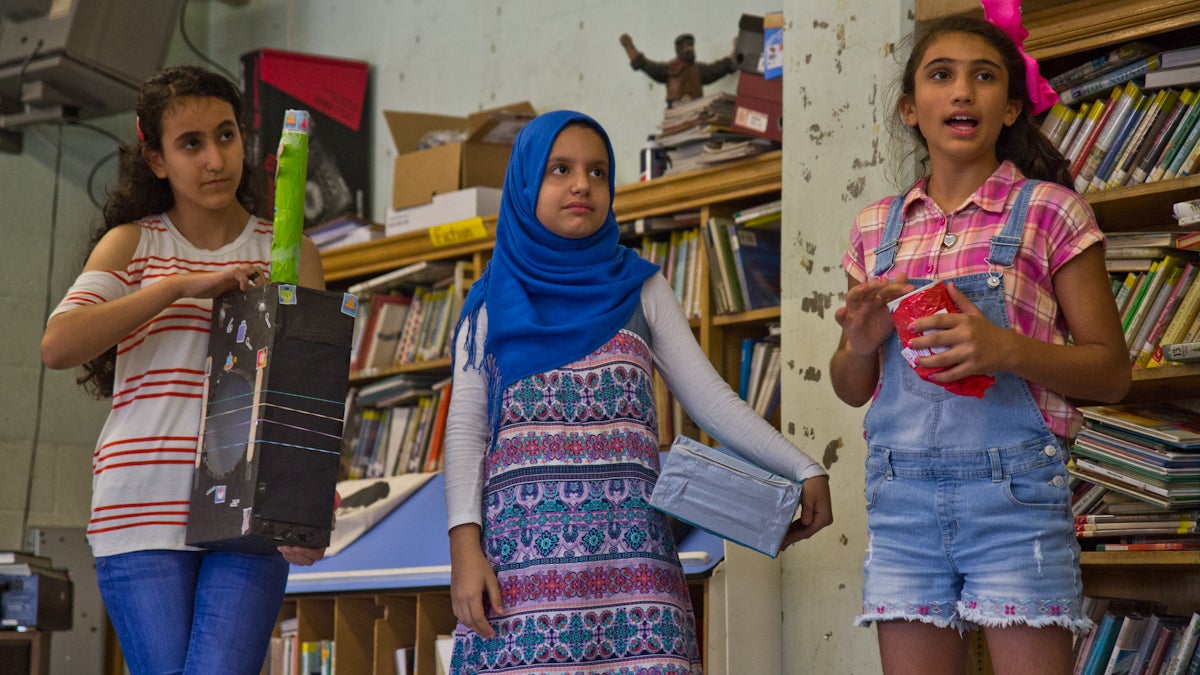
x=334, y=92
x=773, y=45
x=445, y=208
x=758, y=108
x=275, y=386
x=748, y=50
x=479, y=160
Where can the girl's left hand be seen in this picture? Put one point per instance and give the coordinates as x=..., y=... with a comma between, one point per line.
x=299, y=555
x=972, y=344
x=816, y=511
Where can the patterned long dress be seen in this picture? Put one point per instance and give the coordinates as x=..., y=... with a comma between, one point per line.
x=588, y=571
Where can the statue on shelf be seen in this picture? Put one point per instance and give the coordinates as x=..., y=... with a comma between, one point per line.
x=683, y=76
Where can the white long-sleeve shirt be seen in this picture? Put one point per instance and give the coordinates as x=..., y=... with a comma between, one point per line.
x=706, y=397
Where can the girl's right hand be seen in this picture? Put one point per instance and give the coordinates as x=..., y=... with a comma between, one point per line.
x=212, y=284
x=865, y=319
x=471, y=579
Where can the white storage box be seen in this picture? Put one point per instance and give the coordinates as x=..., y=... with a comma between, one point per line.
x=449, y=207
x=726, y=495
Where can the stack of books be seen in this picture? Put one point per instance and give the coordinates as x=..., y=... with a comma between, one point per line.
x=343, y=231
x=1150, y=452
x=699, y=133
x=1119, y=123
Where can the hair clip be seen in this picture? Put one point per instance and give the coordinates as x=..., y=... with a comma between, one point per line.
x=1006, y=15
x=137, y=121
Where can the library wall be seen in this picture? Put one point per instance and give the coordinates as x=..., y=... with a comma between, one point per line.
x=838, y=158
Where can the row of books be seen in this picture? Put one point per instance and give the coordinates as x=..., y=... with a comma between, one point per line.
x=1159, y=306
x=408, y=315
x=743, y=260
x=1137, y=636
x=401, y=433
x=678, y=256
x=744, y=264
x=759, y=375
x=1149, y=452
x=1130, y=137
x=1129, y=61
x=289, y=656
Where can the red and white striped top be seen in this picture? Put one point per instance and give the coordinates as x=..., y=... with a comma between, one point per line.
x=143, y=463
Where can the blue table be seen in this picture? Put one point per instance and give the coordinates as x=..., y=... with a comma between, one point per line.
x=409, y=549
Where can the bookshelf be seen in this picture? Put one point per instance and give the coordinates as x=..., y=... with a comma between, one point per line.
x=376, y=596
x=1061, y=35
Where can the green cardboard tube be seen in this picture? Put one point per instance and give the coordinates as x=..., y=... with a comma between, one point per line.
x=290, y=175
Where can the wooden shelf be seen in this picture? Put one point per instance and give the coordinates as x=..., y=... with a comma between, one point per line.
x=431, y=365
x=680, y=192
x=1089, y=24
x=1142, y=207
x=1173, y=382
x=753, y=316
x=389, y=253
x=1058, y=28
x=1140, y=558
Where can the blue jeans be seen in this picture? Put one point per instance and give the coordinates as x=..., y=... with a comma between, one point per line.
x=192, y=612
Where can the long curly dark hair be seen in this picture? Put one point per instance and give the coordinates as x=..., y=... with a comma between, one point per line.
x=139, y=193
x=1022, y=143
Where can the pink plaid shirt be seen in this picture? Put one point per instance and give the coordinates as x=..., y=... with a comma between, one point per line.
x=1060, y=225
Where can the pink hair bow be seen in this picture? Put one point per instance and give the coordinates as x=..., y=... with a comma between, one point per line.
x=1006, y=15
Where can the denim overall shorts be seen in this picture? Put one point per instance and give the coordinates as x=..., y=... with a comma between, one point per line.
x=968, y=507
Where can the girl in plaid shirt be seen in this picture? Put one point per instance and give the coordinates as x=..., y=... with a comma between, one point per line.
x=968, y=506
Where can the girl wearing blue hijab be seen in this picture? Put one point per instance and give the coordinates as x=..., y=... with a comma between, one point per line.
x=558, y=563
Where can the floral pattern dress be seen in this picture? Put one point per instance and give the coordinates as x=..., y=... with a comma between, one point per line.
x=588, y=571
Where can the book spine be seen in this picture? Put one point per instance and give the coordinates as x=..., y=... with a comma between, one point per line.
x=1139, y=138
x=1193, y=331
x=1139, y=304
x=1177, y=139
x=1113, y=124
x=1058, y=120
x=1185, y=314
x=1148, y=546
x=1114, y=78
x=1182, y=352
x=1135, y=116
x=1086, y=136
x=1160, y=312
x=1090, y=134
x=731, y=231
x=1101, y=472
x=1099, y=65
x=1187, y=153
x=1123, y=291
x=1068, y=140
x=1193, y=158
x=1154, y=155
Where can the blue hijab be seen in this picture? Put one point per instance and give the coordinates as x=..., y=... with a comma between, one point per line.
x=550, y=300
